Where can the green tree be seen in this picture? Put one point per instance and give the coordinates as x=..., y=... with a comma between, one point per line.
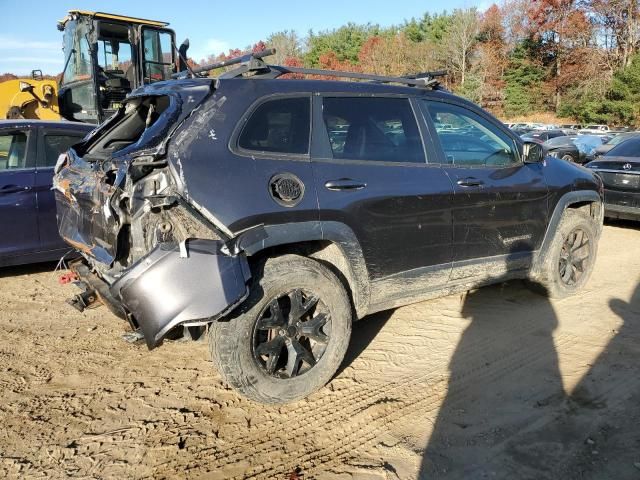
x=428, y=28
x=472, y=87
x=620, y=105
x=523, y=78
x=345, y=42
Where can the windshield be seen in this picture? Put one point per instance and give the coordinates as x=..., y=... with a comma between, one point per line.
x=76, y=51
x=619, y=138
x=628, y=148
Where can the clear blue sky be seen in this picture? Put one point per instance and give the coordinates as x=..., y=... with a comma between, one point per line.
x=29, y=38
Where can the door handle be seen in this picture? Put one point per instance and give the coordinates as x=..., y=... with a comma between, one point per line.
x=344, y=184
x=470, y=182
x=13, y=189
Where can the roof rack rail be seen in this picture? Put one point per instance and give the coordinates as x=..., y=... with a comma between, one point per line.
x=252, y=62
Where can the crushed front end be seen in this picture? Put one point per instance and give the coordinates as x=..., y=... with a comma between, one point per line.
x=147, y=253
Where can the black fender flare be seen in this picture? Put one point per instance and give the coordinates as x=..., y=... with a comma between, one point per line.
x=565, y=201
x=352, y=264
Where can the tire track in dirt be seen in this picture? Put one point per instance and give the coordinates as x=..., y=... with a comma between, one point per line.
x=99, y=408
x=365, y=409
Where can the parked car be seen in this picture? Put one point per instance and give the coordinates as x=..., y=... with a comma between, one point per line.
x=619, y=169
x=573, y=148
x=595, y=129
x=573, y=127
x=612, y=142
x=543, y=135
x=232, y=203
x=28, y=151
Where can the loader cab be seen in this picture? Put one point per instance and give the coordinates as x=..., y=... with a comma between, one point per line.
x=106, y=57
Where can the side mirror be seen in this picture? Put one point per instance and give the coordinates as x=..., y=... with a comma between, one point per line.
x=182, y=55
x=532, y=152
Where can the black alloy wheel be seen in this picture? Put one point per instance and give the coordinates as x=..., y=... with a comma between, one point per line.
x=291, y=334
x=574, y=257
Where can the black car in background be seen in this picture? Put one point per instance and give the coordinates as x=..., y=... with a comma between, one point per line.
x=608, y=145
x=29, y=150
x=573, y=148
x=543, y=135
x=619, y=169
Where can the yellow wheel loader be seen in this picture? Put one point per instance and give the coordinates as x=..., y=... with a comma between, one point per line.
x=29, y=98
x=106, y=56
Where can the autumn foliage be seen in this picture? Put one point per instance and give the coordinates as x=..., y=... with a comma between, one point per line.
x=567, y=57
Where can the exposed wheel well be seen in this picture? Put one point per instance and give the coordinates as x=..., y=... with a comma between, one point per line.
x=331, y=256
x=589, y=207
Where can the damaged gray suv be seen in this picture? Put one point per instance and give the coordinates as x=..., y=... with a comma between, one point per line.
x=277, y=211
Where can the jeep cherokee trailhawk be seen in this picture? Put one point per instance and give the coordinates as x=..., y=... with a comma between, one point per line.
x=277, y=211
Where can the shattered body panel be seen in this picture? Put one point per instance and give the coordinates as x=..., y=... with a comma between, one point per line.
x=163, y=262
x=165, y=290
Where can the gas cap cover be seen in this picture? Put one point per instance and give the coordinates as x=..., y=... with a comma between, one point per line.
x=286, y=189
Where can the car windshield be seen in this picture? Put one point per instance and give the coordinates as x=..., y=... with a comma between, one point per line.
x=620, y=138
x=629, y=148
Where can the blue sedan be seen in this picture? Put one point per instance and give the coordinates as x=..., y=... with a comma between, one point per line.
x=29, y=150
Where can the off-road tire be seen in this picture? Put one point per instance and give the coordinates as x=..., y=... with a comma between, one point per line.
x=549, y=279
x=231, y=340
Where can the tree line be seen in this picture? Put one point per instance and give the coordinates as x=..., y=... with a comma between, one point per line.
x=574, y=58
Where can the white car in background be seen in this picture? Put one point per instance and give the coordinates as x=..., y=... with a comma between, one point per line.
x=595, y=130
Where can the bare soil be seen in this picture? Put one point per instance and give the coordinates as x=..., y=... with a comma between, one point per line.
x=497, y=383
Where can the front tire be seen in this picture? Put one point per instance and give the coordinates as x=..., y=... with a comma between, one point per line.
x=571, y=256
x=289, y=336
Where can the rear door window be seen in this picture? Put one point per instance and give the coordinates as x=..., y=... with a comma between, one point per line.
x=54, y=145
x=376, y=129
x=278, y=126
x=13, y=151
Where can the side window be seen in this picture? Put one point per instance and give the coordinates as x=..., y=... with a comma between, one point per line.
x=54, y=145
x=279, y=126
x=468, y=139
x=377, y=129
x=158, y=55
x=13, y=150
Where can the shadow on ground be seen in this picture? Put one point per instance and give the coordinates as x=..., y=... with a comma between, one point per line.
x=28, y=269
x=506, y=413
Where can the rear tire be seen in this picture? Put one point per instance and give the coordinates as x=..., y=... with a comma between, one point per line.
x=571, y=256
x=568, y=158
x=289, y=336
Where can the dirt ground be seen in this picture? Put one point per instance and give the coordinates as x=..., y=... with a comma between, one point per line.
x=497, y=383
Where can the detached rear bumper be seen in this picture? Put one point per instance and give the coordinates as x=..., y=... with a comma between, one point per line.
x=164, y=289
